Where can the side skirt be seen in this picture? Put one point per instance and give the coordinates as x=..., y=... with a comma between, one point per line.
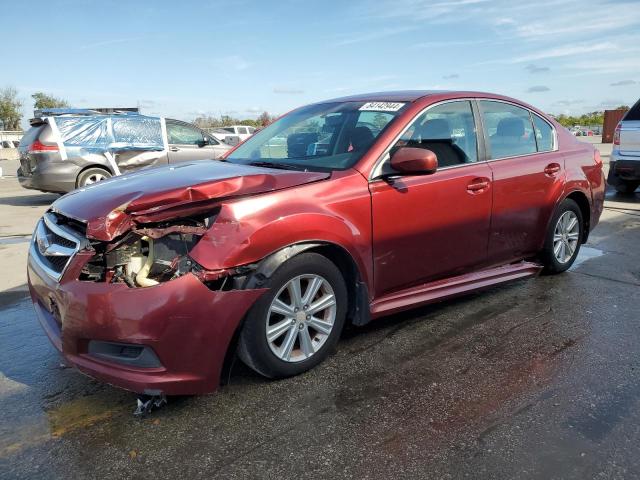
x=451, y=287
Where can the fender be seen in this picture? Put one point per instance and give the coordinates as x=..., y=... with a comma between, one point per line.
x=359, y=312
x=269, y=265
x=249, y=230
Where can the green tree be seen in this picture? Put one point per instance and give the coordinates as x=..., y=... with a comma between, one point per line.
x=250, y=123
x=208, y=121
x=587, y=119
x=10, y=105
x=380, y=120
x=43, y=100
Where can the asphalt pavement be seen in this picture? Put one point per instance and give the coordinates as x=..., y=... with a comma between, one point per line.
x=538, y=378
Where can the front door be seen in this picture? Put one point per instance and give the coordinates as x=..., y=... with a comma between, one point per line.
x=187, y=143
x=428, y=227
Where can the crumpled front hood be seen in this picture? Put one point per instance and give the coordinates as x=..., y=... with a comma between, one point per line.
x=113, y=206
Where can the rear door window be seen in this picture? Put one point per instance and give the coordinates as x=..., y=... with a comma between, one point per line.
x=508, y=130
x=182, y=134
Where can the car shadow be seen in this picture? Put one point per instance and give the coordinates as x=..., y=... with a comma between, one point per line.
x=37, y=200
x=235, y=372
x=629, y=201
x=15, y=295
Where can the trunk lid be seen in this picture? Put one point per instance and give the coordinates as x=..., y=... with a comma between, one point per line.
x=630, y=138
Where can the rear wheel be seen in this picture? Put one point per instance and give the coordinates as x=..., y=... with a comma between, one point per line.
x=91, y=176
x=296, y=324
x=564, y=238
x=626, y=187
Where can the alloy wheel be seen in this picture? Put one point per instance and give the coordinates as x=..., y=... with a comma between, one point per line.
x=94, y=178
x=301, y=318
x=566, y=236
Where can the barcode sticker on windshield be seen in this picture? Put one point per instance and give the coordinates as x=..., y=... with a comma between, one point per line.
x=382, y=106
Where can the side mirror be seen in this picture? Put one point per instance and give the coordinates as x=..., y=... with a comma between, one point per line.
x=414, y=161
x=202, y=143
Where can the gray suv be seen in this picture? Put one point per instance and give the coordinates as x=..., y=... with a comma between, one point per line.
x=624, y=169
x=71, y=148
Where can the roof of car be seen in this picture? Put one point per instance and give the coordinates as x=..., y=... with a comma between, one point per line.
x=412, y=96
x=392, y=96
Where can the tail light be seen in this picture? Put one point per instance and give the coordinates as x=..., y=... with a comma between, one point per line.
x=616, y=135
x=38, y=146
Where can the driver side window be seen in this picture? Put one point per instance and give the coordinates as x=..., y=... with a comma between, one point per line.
x=448, y=130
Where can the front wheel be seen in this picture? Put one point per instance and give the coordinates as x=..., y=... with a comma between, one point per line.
x=295, y=325
x=563, y=239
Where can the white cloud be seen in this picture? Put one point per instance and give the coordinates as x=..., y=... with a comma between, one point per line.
x=106, y=43
x=287, y=90
x=601, y=66
x=234, y=62
x=538, y=89
x=372, y=35
x=587, y=20
x=623, y=83
x=531, y=68
x=566, y=51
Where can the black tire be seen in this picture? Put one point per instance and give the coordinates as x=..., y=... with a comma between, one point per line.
x=626, y=188
x=548, y=259
x=85, y=176
x=253, y=347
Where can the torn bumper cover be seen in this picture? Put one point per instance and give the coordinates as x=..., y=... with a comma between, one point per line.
x=115, y=286
x=183, y=324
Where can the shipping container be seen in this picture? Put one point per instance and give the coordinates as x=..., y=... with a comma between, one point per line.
x=611, y=120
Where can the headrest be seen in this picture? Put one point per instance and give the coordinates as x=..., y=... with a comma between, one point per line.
x=435, y=129
x=361, y=137
x=510, y=127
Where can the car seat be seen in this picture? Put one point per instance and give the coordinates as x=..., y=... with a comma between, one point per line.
x=435, y=135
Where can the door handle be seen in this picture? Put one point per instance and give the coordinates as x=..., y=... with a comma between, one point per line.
x=174, y=149
x=478, y=185
x=552, y=169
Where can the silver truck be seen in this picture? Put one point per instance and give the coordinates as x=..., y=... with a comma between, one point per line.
x=624, y=168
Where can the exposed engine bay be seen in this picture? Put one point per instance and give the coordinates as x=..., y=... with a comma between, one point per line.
x=147, y=256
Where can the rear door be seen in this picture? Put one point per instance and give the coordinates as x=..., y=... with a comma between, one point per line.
x=630, y=132
x=187, y=143
x=528, y=178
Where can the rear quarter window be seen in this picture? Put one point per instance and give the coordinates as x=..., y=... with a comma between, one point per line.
x=31, y=135
x=634, y=113
x=544, y=134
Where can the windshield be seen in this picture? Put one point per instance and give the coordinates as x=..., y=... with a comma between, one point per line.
x=328, y=136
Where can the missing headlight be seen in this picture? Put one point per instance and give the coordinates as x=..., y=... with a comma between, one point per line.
x=142, y=261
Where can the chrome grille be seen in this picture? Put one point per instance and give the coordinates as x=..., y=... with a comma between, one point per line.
x=53, y=245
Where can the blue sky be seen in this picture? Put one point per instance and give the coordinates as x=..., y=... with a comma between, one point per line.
x=183, y=58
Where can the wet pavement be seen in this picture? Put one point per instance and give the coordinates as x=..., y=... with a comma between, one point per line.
x=534, y=379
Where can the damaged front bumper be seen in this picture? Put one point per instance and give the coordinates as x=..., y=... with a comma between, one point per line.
x=181, y=328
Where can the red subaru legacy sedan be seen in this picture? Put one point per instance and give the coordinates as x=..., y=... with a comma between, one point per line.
x=340, y=211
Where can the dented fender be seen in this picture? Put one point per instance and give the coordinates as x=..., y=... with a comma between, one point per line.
x=249, y=230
